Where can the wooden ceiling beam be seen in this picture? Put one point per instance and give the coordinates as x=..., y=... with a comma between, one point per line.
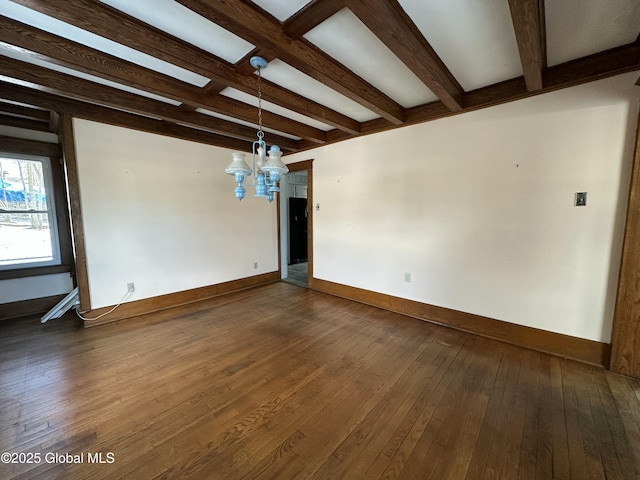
x=19, y=122
x=110, y=23
x=119, y=118
x=51, y=48
x=310, y=16
x=112, y=97
x=249, y=113
x=24, y=112
x=29, y=146
x=114, y=25
x=594, y=67
x=528, y=22
x=256, y=27
x=388, y=21
x=299, y=104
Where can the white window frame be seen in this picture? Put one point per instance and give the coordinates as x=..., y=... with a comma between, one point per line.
x=51, y=213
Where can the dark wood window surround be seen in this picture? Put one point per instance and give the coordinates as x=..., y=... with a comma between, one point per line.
x=44, y=149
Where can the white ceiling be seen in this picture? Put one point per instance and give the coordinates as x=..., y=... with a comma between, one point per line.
x=369, y=58
x=179, y=21
x=281, y=9
x=577, y=28
x=482, y=49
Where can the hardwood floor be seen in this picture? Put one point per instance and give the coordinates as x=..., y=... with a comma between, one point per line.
x=284, y=382
x=297, y=274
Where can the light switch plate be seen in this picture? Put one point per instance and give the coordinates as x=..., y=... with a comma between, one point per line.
x=581, y=199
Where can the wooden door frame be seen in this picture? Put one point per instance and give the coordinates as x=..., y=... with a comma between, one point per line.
x=625, y=338
x=305, y=165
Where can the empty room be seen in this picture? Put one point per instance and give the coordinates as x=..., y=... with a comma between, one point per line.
x=320, y=239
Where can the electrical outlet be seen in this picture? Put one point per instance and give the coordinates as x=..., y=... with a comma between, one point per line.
x=131, y=287
x=255, y=265
x=407, y=277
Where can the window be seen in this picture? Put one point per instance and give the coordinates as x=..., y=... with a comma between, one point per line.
x=28, y=226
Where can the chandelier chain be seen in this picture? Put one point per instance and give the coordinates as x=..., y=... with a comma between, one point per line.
x=260, y=132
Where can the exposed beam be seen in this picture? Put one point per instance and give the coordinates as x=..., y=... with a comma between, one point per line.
x=111, y=97
x=24, y=112
x=110, y=116
x=249, y=113
x=112, y=24
x=60, y=51
x=310, y=16
x=297, y=103
x=528, y=22
x=594, y=67
x=33, y=147
x=51, y=48
x=108, y=22
x=12, y=121
x=389, y=22
x=258, y=28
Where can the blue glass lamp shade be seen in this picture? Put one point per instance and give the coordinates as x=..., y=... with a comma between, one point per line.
x=239, y=169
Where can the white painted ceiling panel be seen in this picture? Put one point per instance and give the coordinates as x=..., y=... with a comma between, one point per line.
x=369, y=58
x=271, y=107
x=247, y=124
x=475, y=39
x=177, y=20
x=17, y=54
x=56, y=27
x=577, y=28
x=288, y=77
x=281, y=9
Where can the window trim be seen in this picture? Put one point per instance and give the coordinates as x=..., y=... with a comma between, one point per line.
x=12, y=146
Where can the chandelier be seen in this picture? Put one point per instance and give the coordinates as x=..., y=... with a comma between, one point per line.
x=266, y=171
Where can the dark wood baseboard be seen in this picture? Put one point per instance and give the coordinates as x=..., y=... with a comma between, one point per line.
x=162, y=302
x=24, y=308
x=588, y=351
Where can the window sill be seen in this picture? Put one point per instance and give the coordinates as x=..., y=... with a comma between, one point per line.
x=34, y=271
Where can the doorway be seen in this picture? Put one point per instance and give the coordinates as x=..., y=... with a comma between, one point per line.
x=296, y=246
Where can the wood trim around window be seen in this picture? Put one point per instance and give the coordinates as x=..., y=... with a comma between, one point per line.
x=52, y=151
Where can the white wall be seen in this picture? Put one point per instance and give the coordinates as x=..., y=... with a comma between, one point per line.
x=28, y=288
x=479, y=209
x=160, y=212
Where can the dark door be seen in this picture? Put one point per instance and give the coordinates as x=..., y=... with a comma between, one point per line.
x=297, y=230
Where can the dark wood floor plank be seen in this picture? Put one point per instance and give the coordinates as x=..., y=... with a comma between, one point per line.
x=577, y=436
x=420, y=416
x=606, y=443
x=561, y=464
x=543, y=449
x=622, y=404
x=284, y=382
x=446, y=447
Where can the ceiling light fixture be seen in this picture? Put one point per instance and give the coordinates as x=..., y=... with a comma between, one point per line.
x=266, y=174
